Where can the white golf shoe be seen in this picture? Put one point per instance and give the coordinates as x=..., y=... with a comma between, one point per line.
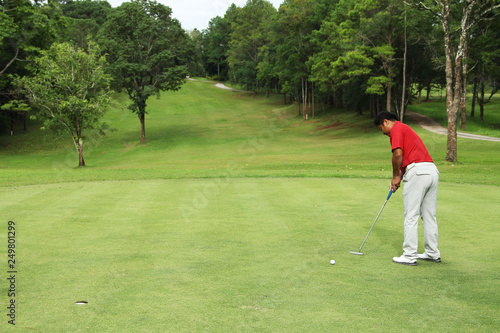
x=425, y=256
x=404, y=261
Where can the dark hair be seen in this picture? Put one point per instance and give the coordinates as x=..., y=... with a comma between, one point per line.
x=379, y=119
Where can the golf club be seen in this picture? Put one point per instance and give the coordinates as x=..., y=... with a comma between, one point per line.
x=359, y=252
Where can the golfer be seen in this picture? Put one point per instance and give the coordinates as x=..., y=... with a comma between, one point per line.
x=412, y=164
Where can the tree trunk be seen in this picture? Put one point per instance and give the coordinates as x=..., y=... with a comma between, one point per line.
x=389, y=86
x=299, y=101
x=401, y=117
x=463, y=86
x=463, y=107
x=12, y=123
x=372, y=107
x=26, y=117
x=453, y=101
x=481, y=102
x=79, y=144
x=451, y=153
x=312, y=100
x=81, y=161
x=304, y=99
x=143, y=127
x=451, y=108
x=474, y=96
x=454, y=86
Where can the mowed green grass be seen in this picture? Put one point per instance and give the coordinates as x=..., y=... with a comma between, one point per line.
x=227, y=219
x=251, y=255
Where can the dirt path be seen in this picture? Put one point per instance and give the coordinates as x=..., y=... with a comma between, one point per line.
x=222, y=86
x=218, y=85
x=431, y=125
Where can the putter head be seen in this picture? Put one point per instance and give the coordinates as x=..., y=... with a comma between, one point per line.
x=356, y=253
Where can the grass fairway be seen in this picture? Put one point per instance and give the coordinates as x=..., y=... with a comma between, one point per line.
x=226, y=220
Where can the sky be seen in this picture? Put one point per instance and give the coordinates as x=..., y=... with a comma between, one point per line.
x=197, y=13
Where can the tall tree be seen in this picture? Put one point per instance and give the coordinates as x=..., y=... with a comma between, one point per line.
x=425, y=53
x=250, y=32
x=217, y=41
x=456, y=49
x=328, y=43
x=147, y=51
x=376, y=27
x=69, y=90
x=85, y=17
x=195, y=64
x=485, y=60
x=295, y=24
x=25, y=29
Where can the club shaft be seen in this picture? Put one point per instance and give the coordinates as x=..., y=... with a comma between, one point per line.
x=373, y=224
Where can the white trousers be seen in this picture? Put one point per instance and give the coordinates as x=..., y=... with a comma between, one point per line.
x=420, y=186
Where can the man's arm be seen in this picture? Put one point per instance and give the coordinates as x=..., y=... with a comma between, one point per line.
x=397, y=161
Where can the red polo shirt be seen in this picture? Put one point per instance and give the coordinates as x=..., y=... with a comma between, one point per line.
x=414, y=151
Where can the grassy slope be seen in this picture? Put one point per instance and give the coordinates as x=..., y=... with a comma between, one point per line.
x=226, y=221
x=215, y=133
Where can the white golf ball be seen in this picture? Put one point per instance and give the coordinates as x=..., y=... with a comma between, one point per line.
x=332, y=262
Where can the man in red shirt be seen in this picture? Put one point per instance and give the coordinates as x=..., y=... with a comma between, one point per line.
x=412, y=164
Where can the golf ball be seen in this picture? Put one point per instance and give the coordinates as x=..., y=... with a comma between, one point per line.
x=332, y=262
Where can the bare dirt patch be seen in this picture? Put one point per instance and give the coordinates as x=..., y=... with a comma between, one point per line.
x=335, y=126
x=128, y=146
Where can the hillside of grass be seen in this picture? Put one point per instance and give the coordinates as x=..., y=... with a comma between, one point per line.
x=204, y=132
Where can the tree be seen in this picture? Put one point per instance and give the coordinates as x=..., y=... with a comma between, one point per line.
x=484, y=59
x=328, y=42
x=294, y=27
x=69, y=90
x=217, y=41
x=250, y=32
x=147, y=52
x=456, y=49
x=425, y=54
x=370, y=37
x=96, y=10
x=84, y=17
x=195, y=64
x=25, y=29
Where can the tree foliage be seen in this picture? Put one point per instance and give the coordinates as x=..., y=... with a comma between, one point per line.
x=25, y=29
x=217, y=46
x=69, y=90
x=147, y=52
x=85, y=17
x=250, y=33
